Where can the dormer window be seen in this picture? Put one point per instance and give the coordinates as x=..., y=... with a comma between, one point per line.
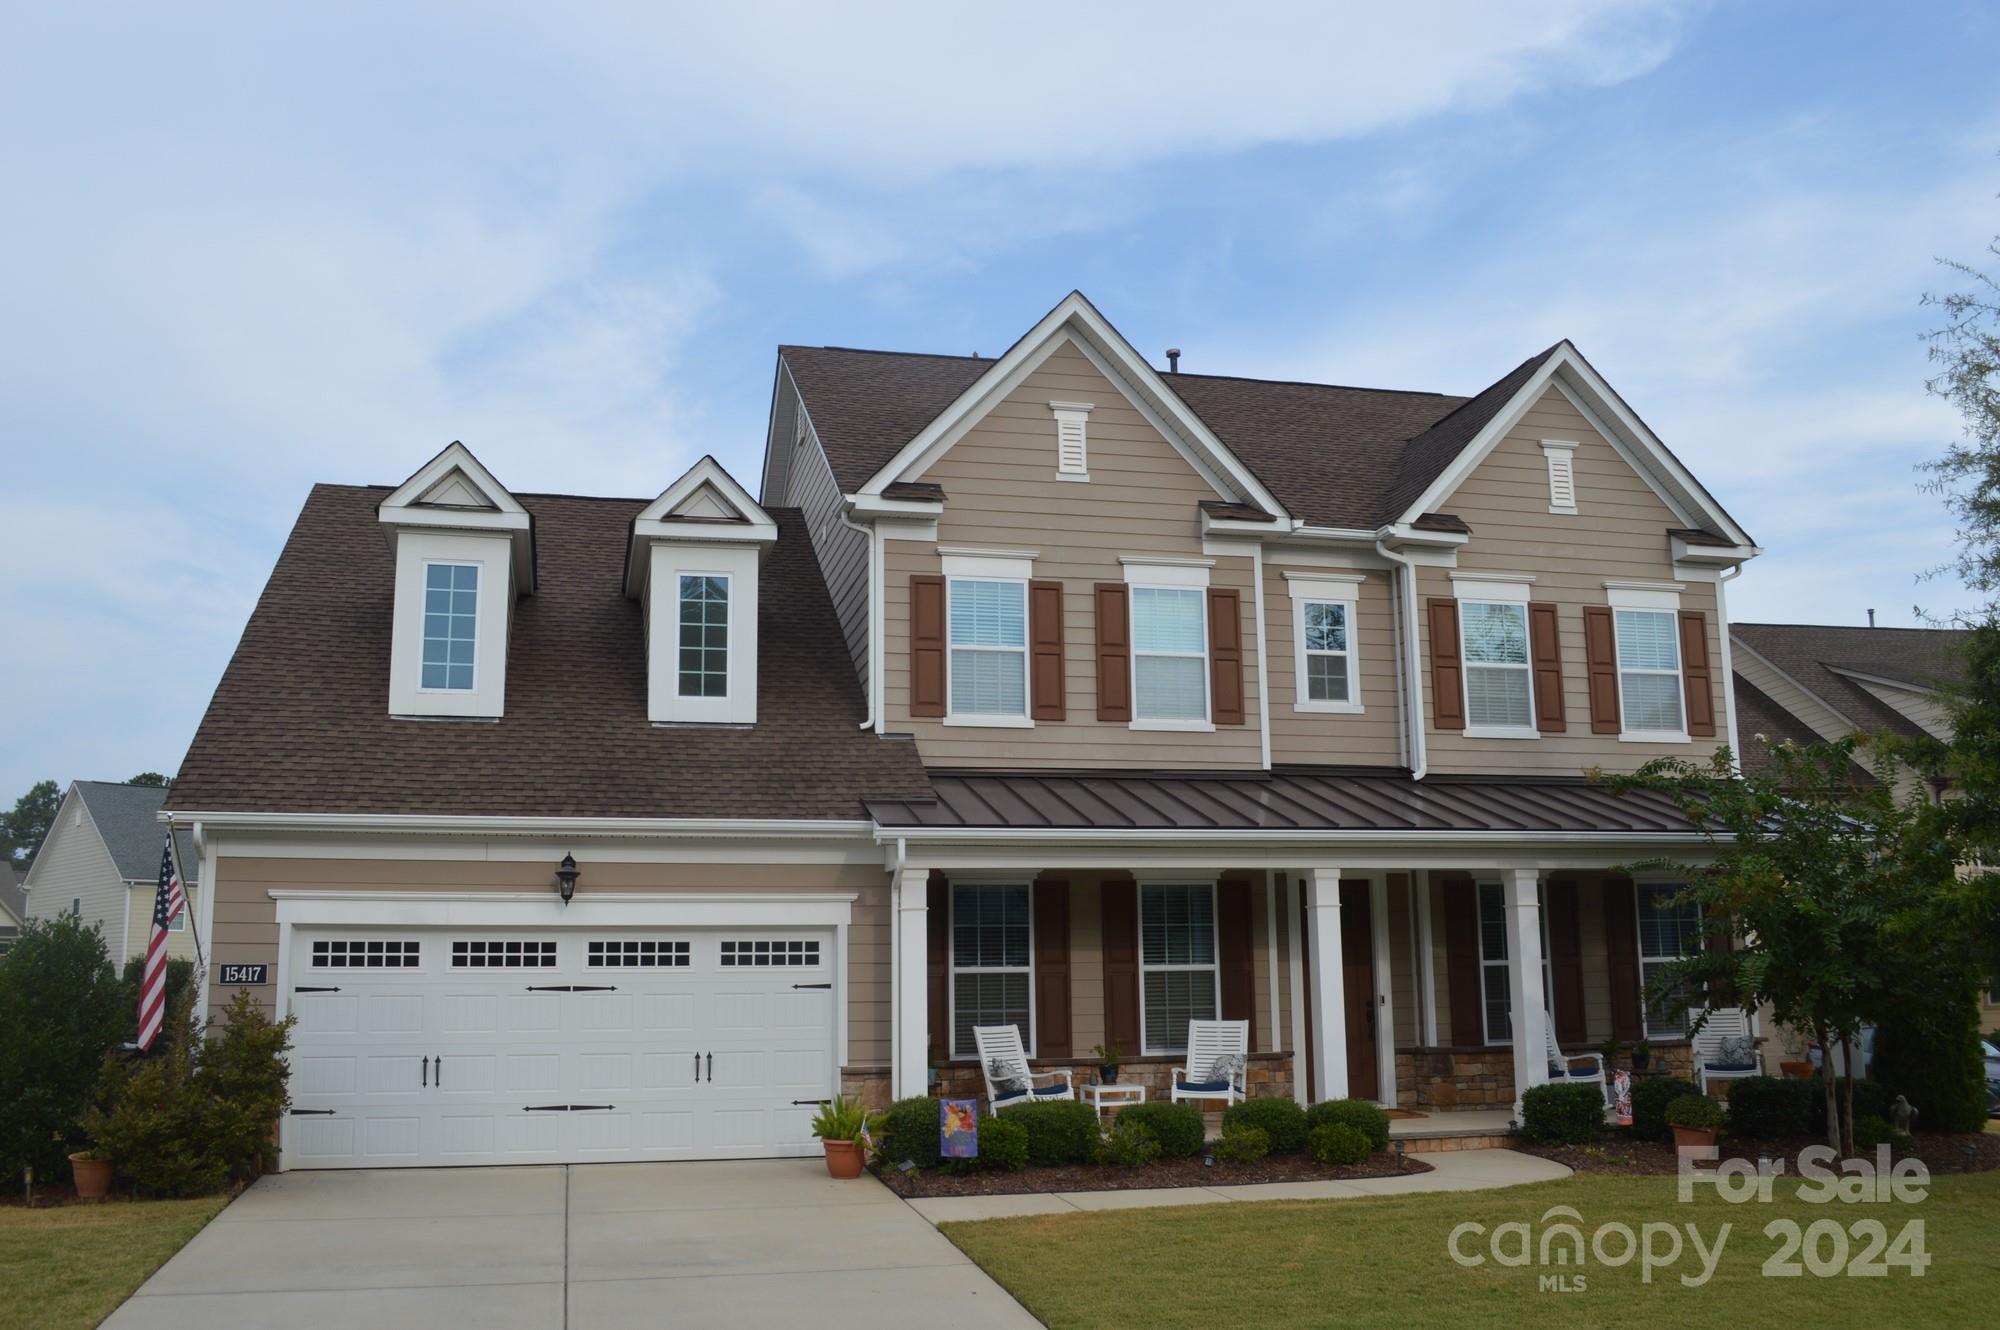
x=704, y=667
x=1072, y=439
x=451, y=622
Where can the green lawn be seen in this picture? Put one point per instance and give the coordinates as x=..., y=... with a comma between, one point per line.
x=68, y=1268
x=1383, y=1261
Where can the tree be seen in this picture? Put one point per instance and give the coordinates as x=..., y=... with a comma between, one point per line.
x=152, y=778
x=1966, y=352
x=23, y=830
x=61, y=1010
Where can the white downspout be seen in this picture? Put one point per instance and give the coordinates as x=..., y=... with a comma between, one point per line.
x=1412, y=670
x=1728, y=669
x=873, y=536
x=1263, y=656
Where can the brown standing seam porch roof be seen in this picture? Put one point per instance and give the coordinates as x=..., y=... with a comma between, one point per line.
x=1303, y=799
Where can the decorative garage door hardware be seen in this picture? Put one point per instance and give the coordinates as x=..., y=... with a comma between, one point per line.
x=428, y=1074
x=316, y=990
x=797, y=1102
x=312, y=1112
x=572, y=988
x=797, y=986
x=567, y=1108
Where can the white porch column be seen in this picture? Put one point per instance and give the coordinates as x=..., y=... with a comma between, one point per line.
x=1524, y=981
x=1326, y=984
x=1296, y=968
x=909, y=1073
x=1385, y=1000
x=1427, y=1005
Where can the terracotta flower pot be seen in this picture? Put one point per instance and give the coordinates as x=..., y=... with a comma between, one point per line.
x=1798, y=1071
x=92, y=1177
x=843, y=1158
x=1688, y=1138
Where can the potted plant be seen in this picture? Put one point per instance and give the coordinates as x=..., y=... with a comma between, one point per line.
x=1642, y=1055
x=1696, y=1120
x=91, y=1171
x=1107, y=1063
x=838, y=1125
x=1611, y=1050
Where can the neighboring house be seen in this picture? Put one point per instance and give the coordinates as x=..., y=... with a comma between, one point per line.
x=1050, y=690
x=13, y=905
x=101, y=862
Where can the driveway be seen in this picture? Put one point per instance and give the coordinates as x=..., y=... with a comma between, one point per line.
x=602, y=1246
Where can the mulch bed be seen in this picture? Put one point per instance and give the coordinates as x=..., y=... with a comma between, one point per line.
x=1941, y=1153
x=1164, y=1173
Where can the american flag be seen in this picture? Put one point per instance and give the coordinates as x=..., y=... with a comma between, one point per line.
x=168, y=902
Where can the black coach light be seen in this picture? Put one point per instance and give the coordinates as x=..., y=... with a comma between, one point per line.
x=566, y=876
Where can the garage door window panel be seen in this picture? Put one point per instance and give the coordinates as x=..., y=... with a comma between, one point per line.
x=341, y=953
x=760, y=953
x=511, y=954
x=636, y=953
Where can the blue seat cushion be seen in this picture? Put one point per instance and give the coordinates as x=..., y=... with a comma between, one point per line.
x=1203, y=1087
x=1039, y=1092
x=1729, y=1066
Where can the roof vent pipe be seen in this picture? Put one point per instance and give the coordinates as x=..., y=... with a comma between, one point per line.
x=1173, y=360
x=1871, y=618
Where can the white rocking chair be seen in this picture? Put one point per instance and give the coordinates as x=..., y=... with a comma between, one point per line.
x=1561, y=1072
x=1002, y=1060
x=1208, y=1043
x=1710, y=1062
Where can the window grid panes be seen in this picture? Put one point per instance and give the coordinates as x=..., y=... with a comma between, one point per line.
x=512, y=954
x=1496, y=996
x=1496, y=664
x=991, y=962
x=1178, y=980
x=1667, y=932
x=635, y=953
x=989, y=648
x=451, y=617
x=704, y=666
x=340, y=953
x=1649, y=671
x=1328, y=675
x=764, y=952
x=1169, y=654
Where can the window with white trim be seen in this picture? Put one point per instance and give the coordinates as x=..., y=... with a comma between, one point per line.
x=451, y=624
x=1178, y=977
x=1497, y=997
x=989, y=647
x=764, y=952
x=704, y=644
x=1326, y=653
x=179, y=923
x=635, y=953
x=510, y=954
x=1649, y=672
x=1668, y=931
x=1499, y=689
x=342, y=953
x=992, y=961
x=1561, y=459
x=1170, y=654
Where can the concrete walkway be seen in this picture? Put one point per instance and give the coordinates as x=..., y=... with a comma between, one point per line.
x=605, y=1246
x=1458, y=1170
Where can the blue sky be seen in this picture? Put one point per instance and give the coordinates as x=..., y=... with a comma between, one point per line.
x=250, y=250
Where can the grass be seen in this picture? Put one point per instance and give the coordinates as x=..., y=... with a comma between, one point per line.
x=71, y=1266
x=1383, y=1261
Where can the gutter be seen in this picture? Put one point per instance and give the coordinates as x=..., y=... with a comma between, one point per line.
x=1302, y=836
x=1410, y=670
x=561, y=827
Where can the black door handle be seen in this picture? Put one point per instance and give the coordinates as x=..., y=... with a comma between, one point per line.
x=427, y=1073
x=711, y=1068
x=440, y=1071
x=697, y=1069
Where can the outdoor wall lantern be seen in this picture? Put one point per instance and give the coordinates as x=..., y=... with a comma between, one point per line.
x=566, y=876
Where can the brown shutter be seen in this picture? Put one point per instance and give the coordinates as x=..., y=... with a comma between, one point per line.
x=937, y=929
x=1233, y=937
x=1545, y=650
x=1461, y=950
x=1045, y=649
x=1600, y=653
x=927, y=645
x=1447, y=672
x=1052, y=1022
x=1695, y=677
x=1566, y=962
x=1621, y=940
x=1114, y=651
x=1225, y=655
x=1120, y=929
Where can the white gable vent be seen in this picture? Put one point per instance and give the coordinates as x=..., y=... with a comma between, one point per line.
x=1561, y=457
x=1072, y=440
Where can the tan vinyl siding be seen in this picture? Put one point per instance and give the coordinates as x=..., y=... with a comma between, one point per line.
x=1002, y=493
x=1402, y=963
x=74, y=865
x=841, y=550
x=1368, y=737
x=1619, y=531
x=1086, y=965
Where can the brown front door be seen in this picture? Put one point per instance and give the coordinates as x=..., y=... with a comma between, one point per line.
x=1357, y=964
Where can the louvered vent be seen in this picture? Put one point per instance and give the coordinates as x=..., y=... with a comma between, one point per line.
x=1072, y=439
x=1562, y=475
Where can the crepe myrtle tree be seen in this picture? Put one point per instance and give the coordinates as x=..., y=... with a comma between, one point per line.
x=1822, y=898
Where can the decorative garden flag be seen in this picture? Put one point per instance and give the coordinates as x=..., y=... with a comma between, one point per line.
x=958, y=1128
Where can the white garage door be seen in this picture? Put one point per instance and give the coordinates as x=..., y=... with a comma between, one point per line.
x=438, y=1046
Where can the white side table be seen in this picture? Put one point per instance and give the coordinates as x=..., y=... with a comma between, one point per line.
x=1101, y=1097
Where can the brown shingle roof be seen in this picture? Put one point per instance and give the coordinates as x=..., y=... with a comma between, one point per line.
x=300, y=720
x=1761, y=725
x=1925, y=657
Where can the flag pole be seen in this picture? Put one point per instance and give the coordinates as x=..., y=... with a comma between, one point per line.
x=174, y=849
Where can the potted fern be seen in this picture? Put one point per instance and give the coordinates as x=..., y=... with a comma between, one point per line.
x=838, y=1124
x=1696, y=1120
x=1107, y=1063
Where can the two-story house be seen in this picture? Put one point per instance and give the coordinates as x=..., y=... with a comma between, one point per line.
x=1049, y=690
x=100, y=863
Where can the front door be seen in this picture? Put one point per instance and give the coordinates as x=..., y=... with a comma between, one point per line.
x=1357, y=964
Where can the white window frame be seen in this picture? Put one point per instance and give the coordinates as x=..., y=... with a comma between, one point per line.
x=1341, y=589
x=1639, y=889
x=991, y=566
x=478, y=587
x=1560, y=454
x=1167, y=574
x=728, y=627
x=179, y=923
x=1648, y=598
x=1214, y=966
x=1495, y=589
x=1072, y=416
x=1548, y=970
x=953, y=969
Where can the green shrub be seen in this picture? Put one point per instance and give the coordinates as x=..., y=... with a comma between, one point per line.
x=1767, y=1107
x=1872, y=1098
x=909, y=1132
x=1129, y=1145
x=1242, y=1145
x=1562, y=1114
x=1178, y=1128
x=839, y=1119
x=1694, y=1110
x=1929, y=1054
x=1359, y=1114
x=1003, y=1144
x=1338, y=1143
x=180, y=974
x=1062, y=1131
x=1650, y=1097
x=61, y=1011
x=1871, y=1131
x=1280, y=1119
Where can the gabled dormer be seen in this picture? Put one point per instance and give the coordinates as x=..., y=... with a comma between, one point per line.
x=464, y=550
x=692, y=564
